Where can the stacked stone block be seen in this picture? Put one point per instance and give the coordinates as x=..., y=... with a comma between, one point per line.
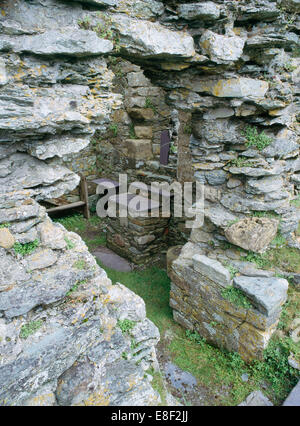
x=199, y=302
x=138, y=237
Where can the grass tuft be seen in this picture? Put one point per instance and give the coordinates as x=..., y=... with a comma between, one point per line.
x=236, y=296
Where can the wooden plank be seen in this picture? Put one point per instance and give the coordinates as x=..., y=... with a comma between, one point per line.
x=66, y=207
x=84, y=203
x=164, y=147
x=84, y=196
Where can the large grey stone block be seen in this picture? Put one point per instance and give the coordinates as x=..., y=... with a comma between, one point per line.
x=211, y=268
x=267, y=294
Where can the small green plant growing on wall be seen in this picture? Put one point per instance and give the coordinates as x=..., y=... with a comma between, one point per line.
x=114, y=129
x=76, y=286
x=232, y=222
x=26, y=248
x=70, y=244
x=236, y=296
x=195, y=337
x=260, y=259
x=296, y=201
x=85, y=23
x=255, y=139
x=80, y=264
x=125, y=325
x=279, y=240
x=232, y=269
x=173, y=149
x=149, y=104
x=132, y=134
x=187, y=129
x=103, y=29
x=4, y=225
x=30, y=328
x=133, y=344
x=240, y=162
x=270, y=214
x=289, y=67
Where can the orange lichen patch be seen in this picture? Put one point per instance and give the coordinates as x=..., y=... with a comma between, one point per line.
x=275, y=112
x=217, y=89
x=109, y=325
x=131, y=382
x=100, y=398
x=169, y=66
x=237, y=30
x=42, y=400
x=105, y=299
x=19, y=74
x=205, y=44
x=40, y=69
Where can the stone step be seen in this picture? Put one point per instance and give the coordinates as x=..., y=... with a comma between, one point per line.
x=146, y=190
x=105, y=183
x=139, y=205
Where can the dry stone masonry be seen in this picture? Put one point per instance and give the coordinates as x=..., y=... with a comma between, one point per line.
x=239, y=315
x=89, y=86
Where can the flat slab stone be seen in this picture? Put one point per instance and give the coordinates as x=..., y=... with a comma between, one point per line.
x=181, y=380
x=72, y=42
x=135, y=203
x=41, y=259
x=264, y=185
x=242, y=87
x=112, y=260
x=267, y=294
x=147, y=190
x=211, y=268
x=206, y=11
x=293, y=400
x=103, y=181
x=256, y=399
x=141, y=38
x=104, y=3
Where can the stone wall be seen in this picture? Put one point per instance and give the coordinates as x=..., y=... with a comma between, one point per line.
x=241, y=90
x=240, y=85
x=237, y=314
x=88, y=86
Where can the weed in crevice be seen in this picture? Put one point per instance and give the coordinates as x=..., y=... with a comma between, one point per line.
x=26, y=248
x=149, y=104
x=125, y=325
x=255, y=139
x=30, y=328
x=70, y=244
x=114, y=129
x=4, y=225
x=236, y=296
x=76, y=286
x=80, y=264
